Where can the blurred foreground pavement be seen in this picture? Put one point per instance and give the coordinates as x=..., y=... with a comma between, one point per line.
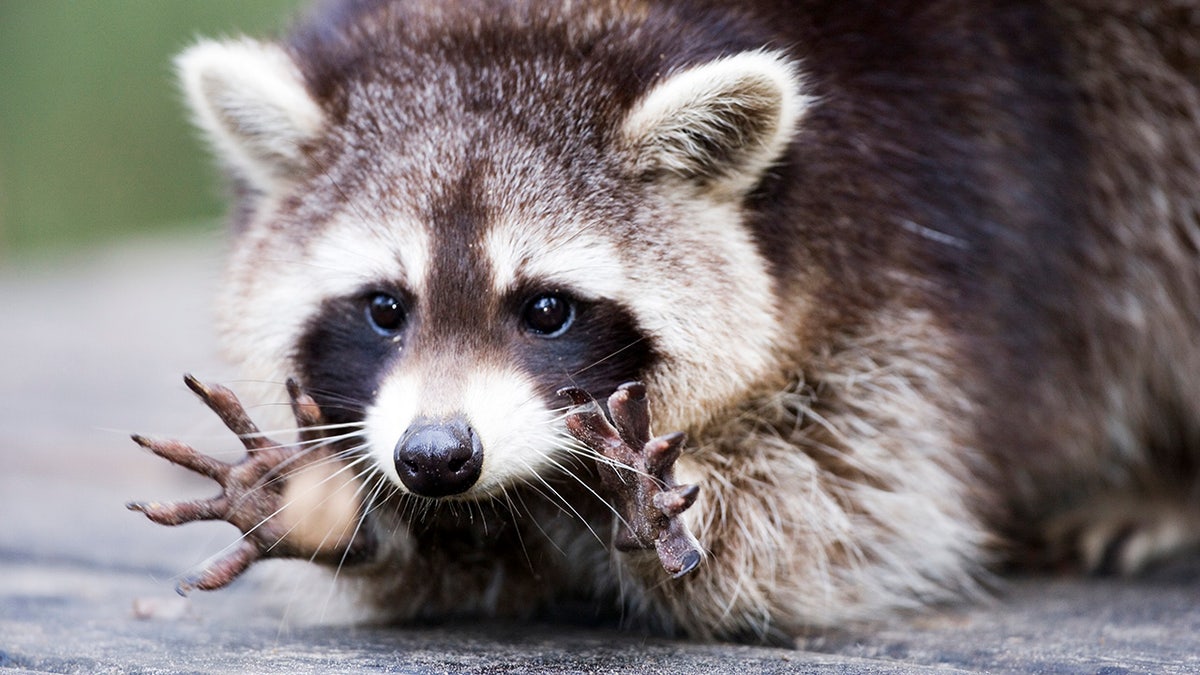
x=93, y=348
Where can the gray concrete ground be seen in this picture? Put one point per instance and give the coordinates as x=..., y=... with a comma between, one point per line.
x=93, y=348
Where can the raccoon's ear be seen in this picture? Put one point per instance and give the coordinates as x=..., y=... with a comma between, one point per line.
x=718, y=125
x=249, y=98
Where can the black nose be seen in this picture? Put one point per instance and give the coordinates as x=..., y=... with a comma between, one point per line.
x=436, y=458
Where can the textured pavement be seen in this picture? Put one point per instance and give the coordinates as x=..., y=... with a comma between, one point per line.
x=93, y=347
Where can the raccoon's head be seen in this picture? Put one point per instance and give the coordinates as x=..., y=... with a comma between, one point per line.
x=436, y=242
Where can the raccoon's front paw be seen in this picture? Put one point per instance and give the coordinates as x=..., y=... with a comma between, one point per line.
x=253, y=491
x=638, y=475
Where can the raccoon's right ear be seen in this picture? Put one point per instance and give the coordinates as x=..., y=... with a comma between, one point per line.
x=718, y=125
x=249, y=98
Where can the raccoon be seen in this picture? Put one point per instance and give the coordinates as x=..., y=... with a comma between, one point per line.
x=919, y=281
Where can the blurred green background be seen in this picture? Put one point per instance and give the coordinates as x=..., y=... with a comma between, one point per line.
x=94, y=141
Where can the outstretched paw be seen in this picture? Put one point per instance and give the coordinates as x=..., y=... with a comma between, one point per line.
x=252, y=489
x=639, y=475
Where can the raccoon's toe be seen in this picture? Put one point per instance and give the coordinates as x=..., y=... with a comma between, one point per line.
x=1123, y=536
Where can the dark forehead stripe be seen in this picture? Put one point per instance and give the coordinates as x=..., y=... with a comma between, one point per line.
x=457, y=298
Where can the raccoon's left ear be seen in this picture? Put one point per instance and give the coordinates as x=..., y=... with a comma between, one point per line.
x=718, y=125
x=250, y=99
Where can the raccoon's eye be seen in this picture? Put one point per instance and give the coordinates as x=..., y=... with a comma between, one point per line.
x=548, y=315
x=385, y=313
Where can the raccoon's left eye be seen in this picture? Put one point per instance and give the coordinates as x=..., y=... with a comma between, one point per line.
x=548, y=315
x=385, y=313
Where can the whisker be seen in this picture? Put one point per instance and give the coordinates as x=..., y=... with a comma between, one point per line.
x=538, y=524
x=566, y=503
x=589, y=488
x=280, y=471
x=570, y=444
x=322, y=502
x=614, y=354
x=322, y=427
x=511, y=510
x=368, y=507
x=242, y=537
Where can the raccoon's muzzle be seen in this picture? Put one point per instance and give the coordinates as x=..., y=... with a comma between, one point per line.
x=438, y=458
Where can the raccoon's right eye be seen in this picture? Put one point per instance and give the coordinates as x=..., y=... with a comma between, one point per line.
x=386, y=313
x=548, y=315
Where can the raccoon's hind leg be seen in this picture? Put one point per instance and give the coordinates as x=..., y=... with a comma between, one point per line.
x=1123, y=534
x=258, y=494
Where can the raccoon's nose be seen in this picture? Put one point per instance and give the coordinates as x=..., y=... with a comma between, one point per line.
x=437, y=458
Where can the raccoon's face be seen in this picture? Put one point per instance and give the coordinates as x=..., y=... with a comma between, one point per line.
x=451, y=348
x=436, y=272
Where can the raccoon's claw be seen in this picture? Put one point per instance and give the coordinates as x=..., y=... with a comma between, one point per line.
x=639, y=475
x=252, y=488
x=222, y=570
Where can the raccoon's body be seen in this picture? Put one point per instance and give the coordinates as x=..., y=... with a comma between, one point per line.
x=920, y=280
